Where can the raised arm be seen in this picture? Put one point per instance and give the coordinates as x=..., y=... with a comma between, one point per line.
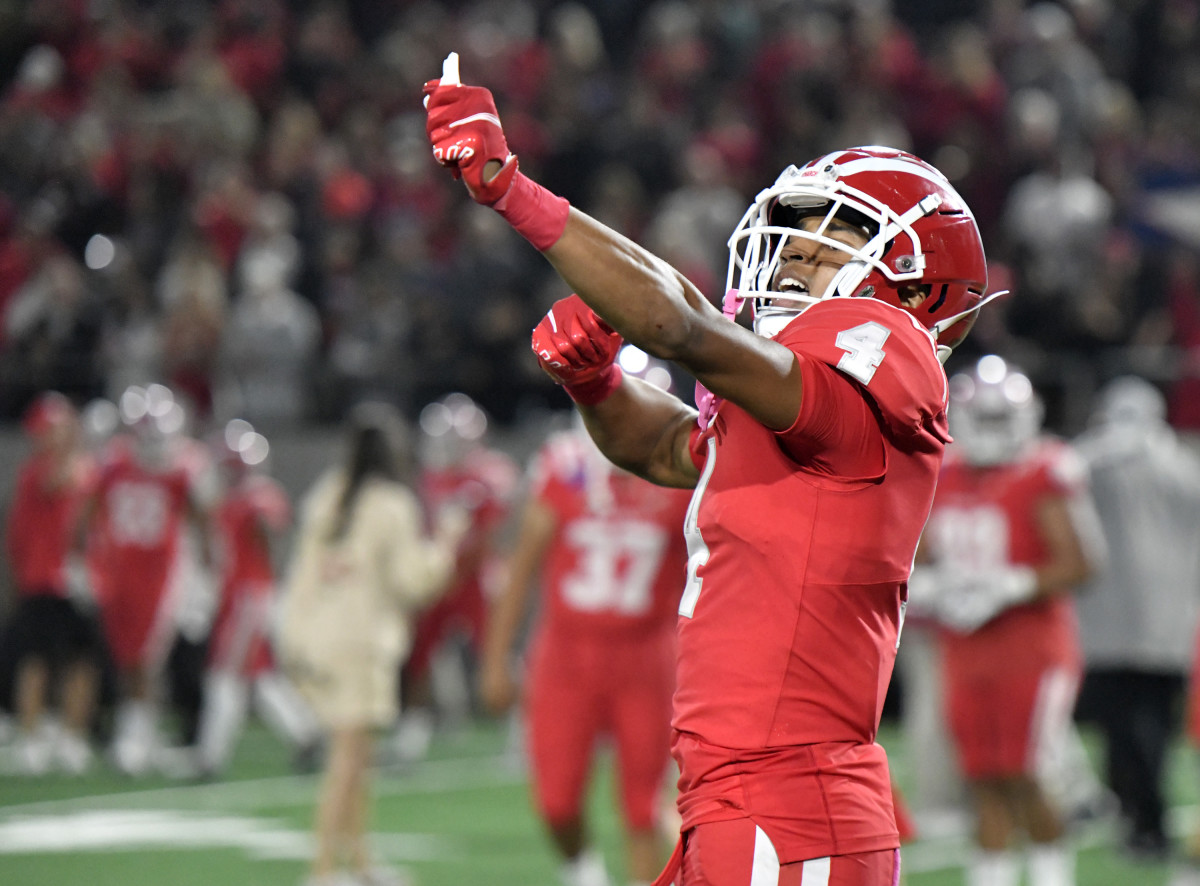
x=639, y=295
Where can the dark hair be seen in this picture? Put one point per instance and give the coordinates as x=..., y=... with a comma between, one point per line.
x=379, y=447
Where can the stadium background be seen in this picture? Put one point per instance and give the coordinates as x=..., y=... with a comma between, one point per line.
x=235, y=198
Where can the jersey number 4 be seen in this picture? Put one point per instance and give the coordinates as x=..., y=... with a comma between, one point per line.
x=863, y=345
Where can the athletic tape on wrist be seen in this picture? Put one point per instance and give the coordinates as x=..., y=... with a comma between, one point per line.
x=596, y=389
x=534, y=212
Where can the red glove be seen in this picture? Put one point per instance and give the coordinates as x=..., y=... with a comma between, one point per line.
x=578, y=350
x=466, y=134
x=464, y=129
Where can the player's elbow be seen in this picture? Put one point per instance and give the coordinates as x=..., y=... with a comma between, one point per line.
x=676, y=329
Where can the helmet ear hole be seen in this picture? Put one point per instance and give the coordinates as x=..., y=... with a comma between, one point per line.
x=913, y=295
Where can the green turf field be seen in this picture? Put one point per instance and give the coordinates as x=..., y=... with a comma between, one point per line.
x=460, y=819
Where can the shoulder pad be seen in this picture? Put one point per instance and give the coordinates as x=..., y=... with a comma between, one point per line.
x=886, y=351
x=1062, y=463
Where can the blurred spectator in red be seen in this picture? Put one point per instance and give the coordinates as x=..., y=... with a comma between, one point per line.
x=252, y=45
x=192, y=293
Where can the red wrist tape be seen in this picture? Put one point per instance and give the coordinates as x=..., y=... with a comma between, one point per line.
x=597, y=388
x=535, y=213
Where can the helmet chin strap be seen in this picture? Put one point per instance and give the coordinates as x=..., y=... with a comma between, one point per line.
x=849, y=278
x=944, y=351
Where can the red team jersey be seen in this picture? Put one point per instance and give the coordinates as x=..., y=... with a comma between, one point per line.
x=248, y=514
x=801, y=543
x=602, y=656
x=987, y=518
x=135, y=538
x=40, y=522
x=484, y=482
x=615, y=565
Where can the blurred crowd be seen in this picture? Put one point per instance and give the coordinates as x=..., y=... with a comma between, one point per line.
x=236, y=198
x=227, y=211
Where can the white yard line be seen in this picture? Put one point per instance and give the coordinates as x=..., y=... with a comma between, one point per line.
x=430, y=777
x=948, y=848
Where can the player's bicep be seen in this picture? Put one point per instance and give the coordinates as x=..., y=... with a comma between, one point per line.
x=644, y=430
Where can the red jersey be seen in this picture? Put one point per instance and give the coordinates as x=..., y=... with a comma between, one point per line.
x=801, y=543
x=484, y=482
x=138, y=519
x=247, y=514
x=987, y=518
x=41, y=521
x=616, y=563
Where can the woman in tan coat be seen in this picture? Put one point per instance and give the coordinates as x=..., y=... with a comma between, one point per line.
x=361, y=567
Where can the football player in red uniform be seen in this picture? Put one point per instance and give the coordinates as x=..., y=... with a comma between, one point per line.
x=457, y=468
x=813, y=461
x=130, y=528
x=53, y=630
x=1012, y=534
x=607, y=551
x=252, y=513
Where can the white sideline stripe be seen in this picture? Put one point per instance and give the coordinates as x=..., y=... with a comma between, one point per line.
x=431, y=777
x=173, y=829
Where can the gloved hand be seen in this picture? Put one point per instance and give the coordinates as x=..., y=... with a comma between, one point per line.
x=467, y=136
x=465, y=131
x=578, y=350
x=968, y=601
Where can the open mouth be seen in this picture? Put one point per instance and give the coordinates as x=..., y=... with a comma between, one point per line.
x=774, y=310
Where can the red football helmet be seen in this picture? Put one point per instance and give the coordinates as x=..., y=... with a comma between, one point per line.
x=920, y=234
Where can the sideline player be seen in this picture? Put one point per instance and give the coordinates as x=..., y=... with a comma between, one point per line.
x=457, y=466
x=1011, y=537
x=130, y=528
x=814, y=460
x=610, y=556
x=252, y=513
x=53, y=629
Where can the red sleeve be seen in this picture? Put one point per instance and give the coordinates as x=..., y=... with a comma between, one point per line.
x=893, y=360
x=836, y=432
x=19, y=527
